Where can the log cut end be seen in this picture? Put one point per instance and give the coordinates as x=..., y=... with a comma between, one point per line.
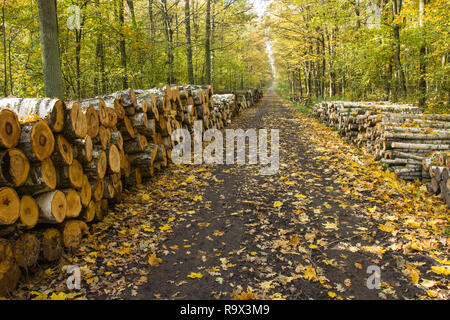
x=77, y=121
x=29, y=211
x=52, y=207
x=49, y=173
x=51, y=244
x=26, y=250
x=42, y=140
x=9, y=271
x=73, y=203
x=92, y=121
x=102, y=165
x=14, y=167
x=73, y=233
x=9, y=129
x=76, y=174
x=64, y=150
x=9, y=206
x=114, y=159
x=88, y=214
x=86, y=191
x=58, y=116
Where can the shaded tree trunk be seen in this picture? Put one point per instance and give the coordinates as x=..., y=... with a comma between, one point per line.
x=207, y=43
x=190, y=67
x=169, y=41
x=422, y=58
x=396, y=8
x=48, y=27
x=123, y=52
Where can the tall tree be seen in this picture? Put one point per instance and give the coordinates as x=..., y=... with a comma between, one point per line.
x=169, y=40
x=396, y=9
x=122, y=47
x=422, y=56
x=208, y=43
x=187, y=20
x=48, y=27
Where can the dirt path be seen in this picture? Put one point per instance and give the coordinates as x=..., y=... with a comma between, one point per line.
x=309, y=232
x=241, y=241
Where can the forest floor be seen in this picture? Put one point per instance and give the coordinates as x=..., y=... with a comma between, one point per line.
x=222, y=232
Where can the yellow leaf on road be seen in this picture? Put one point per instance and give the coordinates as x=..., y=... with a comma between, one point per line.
x=277, y=204
x=441, y=270
x=153, y=260
x=195, y=275
x=310, y=274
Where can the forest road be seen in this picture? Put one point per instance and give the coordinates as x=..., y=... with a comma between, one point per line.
x=292, y=235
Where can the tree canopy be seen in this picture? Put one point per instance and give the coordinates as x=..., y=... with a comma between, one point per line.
x=107, y=45
x=362, y=49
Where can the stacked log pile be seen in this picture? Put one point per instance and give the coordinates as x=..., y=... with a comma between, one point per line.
x=437, y=165
x=243, y=98
x=400, y=136
x=61, y=164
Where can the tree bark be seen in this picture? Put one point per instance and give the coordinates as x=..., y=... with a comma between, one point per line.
x=190, y=67
x=48, y=27
x=208, y=43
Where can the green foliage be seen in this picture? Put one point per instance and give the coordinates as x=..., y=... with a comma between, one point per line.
x=237, y=42
x=345, y=49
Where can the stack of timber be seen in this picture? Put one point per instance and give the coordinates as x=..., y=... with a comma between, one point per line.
x=63, y=163
x=243, y=98
x=437, y=165
x=400, y=136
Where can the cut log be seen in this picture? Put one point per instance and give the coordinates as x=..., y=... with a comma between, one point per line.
x=76, y=124
x=126, y=128
x=41, y=178
x=37, y=140
x=113, y=159
x=28, y=212
x=82, y=149
x=71, y=176
x=26, y=250
x=134, y=178
x=9, y=129
x=103, y=138
x=73, y=203
x=112, y=117
x=136, y=145
x=9, y=271
x=98, y=187
x=116, y=138
x=51, y=244
x=413, y=146
x=96, y=169
x=88, y=213
x=99, y=213
x=53, y=110
x=73, y=232
x=92, y=121
x=62, y=155
x=52, y=207
x=14, y=168
x=139, y=121
x=98, y=104
x=9, y=206
x=109, y=189
x=85, y=192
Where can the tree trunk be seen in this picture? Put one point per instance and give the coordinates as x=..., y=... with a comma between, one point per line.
x=123, y=52
x=48, y=27
x=422, y=57
x=190, y=67
x=207, y=43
